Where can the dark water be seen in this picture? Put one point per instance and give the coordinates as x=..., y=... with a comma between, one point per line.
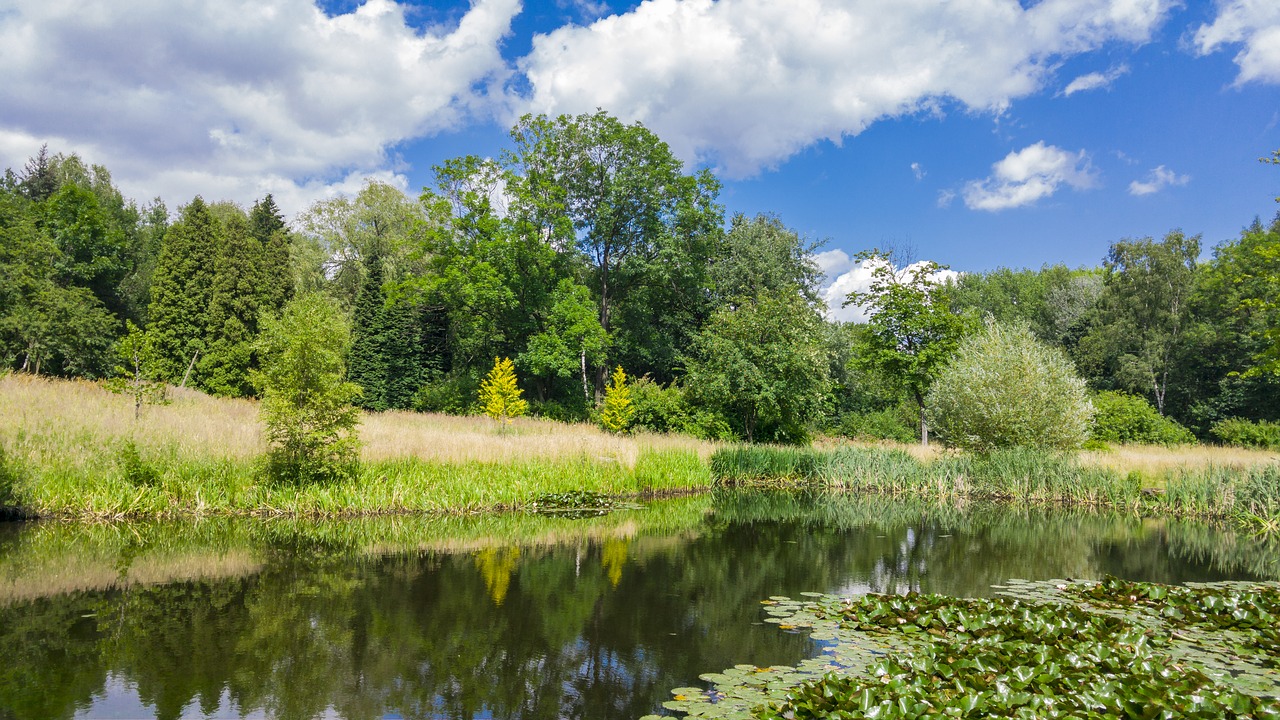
x=502, y=617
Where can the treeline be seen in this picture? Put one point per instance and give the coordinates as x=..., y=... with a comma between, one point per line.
x=585, y=247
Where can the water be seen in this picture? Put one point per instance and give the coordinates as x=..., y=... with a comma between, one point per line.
x=503, y=616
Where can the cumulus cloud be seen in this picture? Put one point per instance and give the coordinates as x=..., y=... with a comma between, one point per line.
x=1027, y=175
x=846, y=276
x=1095, y=81
x=744, y=84
x=236, y=98
x=1158, y=179
x=1254, y=25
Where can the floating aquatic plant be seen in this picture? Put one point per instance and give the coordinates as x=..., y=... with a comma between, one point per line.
x=1056, y=649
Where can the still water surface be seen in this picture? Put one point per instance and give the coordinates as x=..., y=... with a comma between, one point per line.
x=504, y=616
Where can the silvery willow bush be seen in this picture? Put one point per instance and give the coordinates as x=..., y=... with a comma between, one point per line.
x=1005, y=388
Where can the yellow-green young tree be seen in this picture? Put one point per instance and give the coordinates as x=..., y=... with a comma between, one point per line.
x=137, y=375
x=499, y=393
x=617, y=412
x=306, y=399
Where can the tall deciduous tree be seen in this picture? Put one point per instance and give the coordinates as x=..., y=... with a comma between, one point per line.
x=1144, y=314
x=619, y=195
x=763, y=365
x=761, y=254
x=912, y=329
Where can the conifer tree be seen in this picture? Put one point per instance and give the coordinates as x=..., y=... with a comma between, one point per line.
x=268, y=226
x=234, y=307
x=367, y=363
x=618, y=410
x=182, y=290
x=499, y=394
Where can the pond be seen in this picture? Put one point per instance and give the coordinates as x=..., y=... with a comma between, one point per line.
x=505, y=616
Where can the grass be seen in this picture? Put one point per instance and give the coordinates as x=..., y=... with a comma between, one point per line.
x=1247, y=490
x=71, y=449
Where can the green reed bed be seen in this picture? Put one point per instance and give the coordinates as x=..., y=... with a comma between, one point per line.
x=1018, y=475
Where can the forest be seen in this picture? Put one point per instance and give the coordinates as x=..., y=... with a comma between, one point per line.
x=587, y=246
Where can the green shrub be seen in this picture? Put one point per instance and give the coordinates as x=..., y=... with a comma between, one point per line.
x=1243, y=433
x=1123, y=418
x=657, y=408
x=1004, y=388
x=451, y=394
x=134, y=469
x=888, y=424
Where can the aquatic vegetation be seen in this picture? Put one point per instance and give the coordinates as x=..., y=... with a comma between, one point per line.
x=1054, y=649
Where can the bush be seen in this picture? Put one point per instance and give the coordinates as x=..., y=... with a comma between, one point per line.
x=134, y=469
x=1243, y=433
x=1004, y=388
x=306, y=401
x=657, y=408
x=451, y=394
x=1123, y=418
x=888, y=424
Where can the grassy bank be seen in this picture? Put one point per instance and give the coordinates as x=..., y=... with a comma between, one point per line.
x=71, y=449
x=1245, y=491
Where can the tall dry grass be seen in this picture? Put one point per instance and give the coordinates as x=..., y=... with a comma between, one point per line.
x=79, y=417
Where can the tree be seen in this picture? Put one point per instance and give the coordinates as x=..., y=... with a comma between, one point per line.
x=762, y=365
x=182, y=290
x=1144, y=315
x=761, y=254
x=1273, y=160
x=1005, y=388
x=619, y=195
x=499, y=393
x=572, y=340
x=268, y=226
x=913, y=331
x=306, y=399
x=137, y=352
x=234, y=308
x=617, y=411
x=367, y=360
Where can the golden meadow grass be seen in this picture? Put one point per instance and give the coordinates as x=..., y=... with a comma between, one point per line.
x=65, y=440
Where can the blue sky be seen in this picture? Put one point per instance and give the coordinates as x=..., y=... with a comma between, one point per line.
x=979, y=134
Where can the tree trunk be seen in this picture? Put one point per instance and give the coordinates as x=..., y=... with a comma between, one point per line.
x=586, y=386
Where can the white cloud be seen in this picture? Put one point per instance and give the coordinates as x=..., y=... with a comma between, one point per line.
x=917, y=171
x=1027, y=175
x=1158, y=179
x=1095, y=81
x=1254, y=24
x=744, y=84
x=232, y=99
x=856, y=277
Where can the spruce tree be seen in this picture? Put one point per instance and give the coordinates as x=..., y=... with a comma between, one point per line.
x=234, y=307
x=182, y=290
x=367, y=363
x=618, y=409
x=268, y=226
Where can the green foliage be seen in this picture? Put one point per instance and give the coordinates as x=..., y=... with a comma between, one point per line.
x=762, y=255
x=182, y=290
x=234, y=307
x=763, y=366
x=896, y=423
x=451, y=394
x=756, y=465
x=1239, y=432
x=912, y=329
x=1004, y=388
x=618, y=411
x=306, y=400
x=500, y=395
x=136, y=471
x=1143, y=321
x=572, y=339
x=1123, y=418
x=137, y=376
x=8, y=480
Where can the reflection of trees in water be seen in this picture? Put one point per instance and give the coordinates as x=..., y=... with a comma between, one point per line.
x=595, y=627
